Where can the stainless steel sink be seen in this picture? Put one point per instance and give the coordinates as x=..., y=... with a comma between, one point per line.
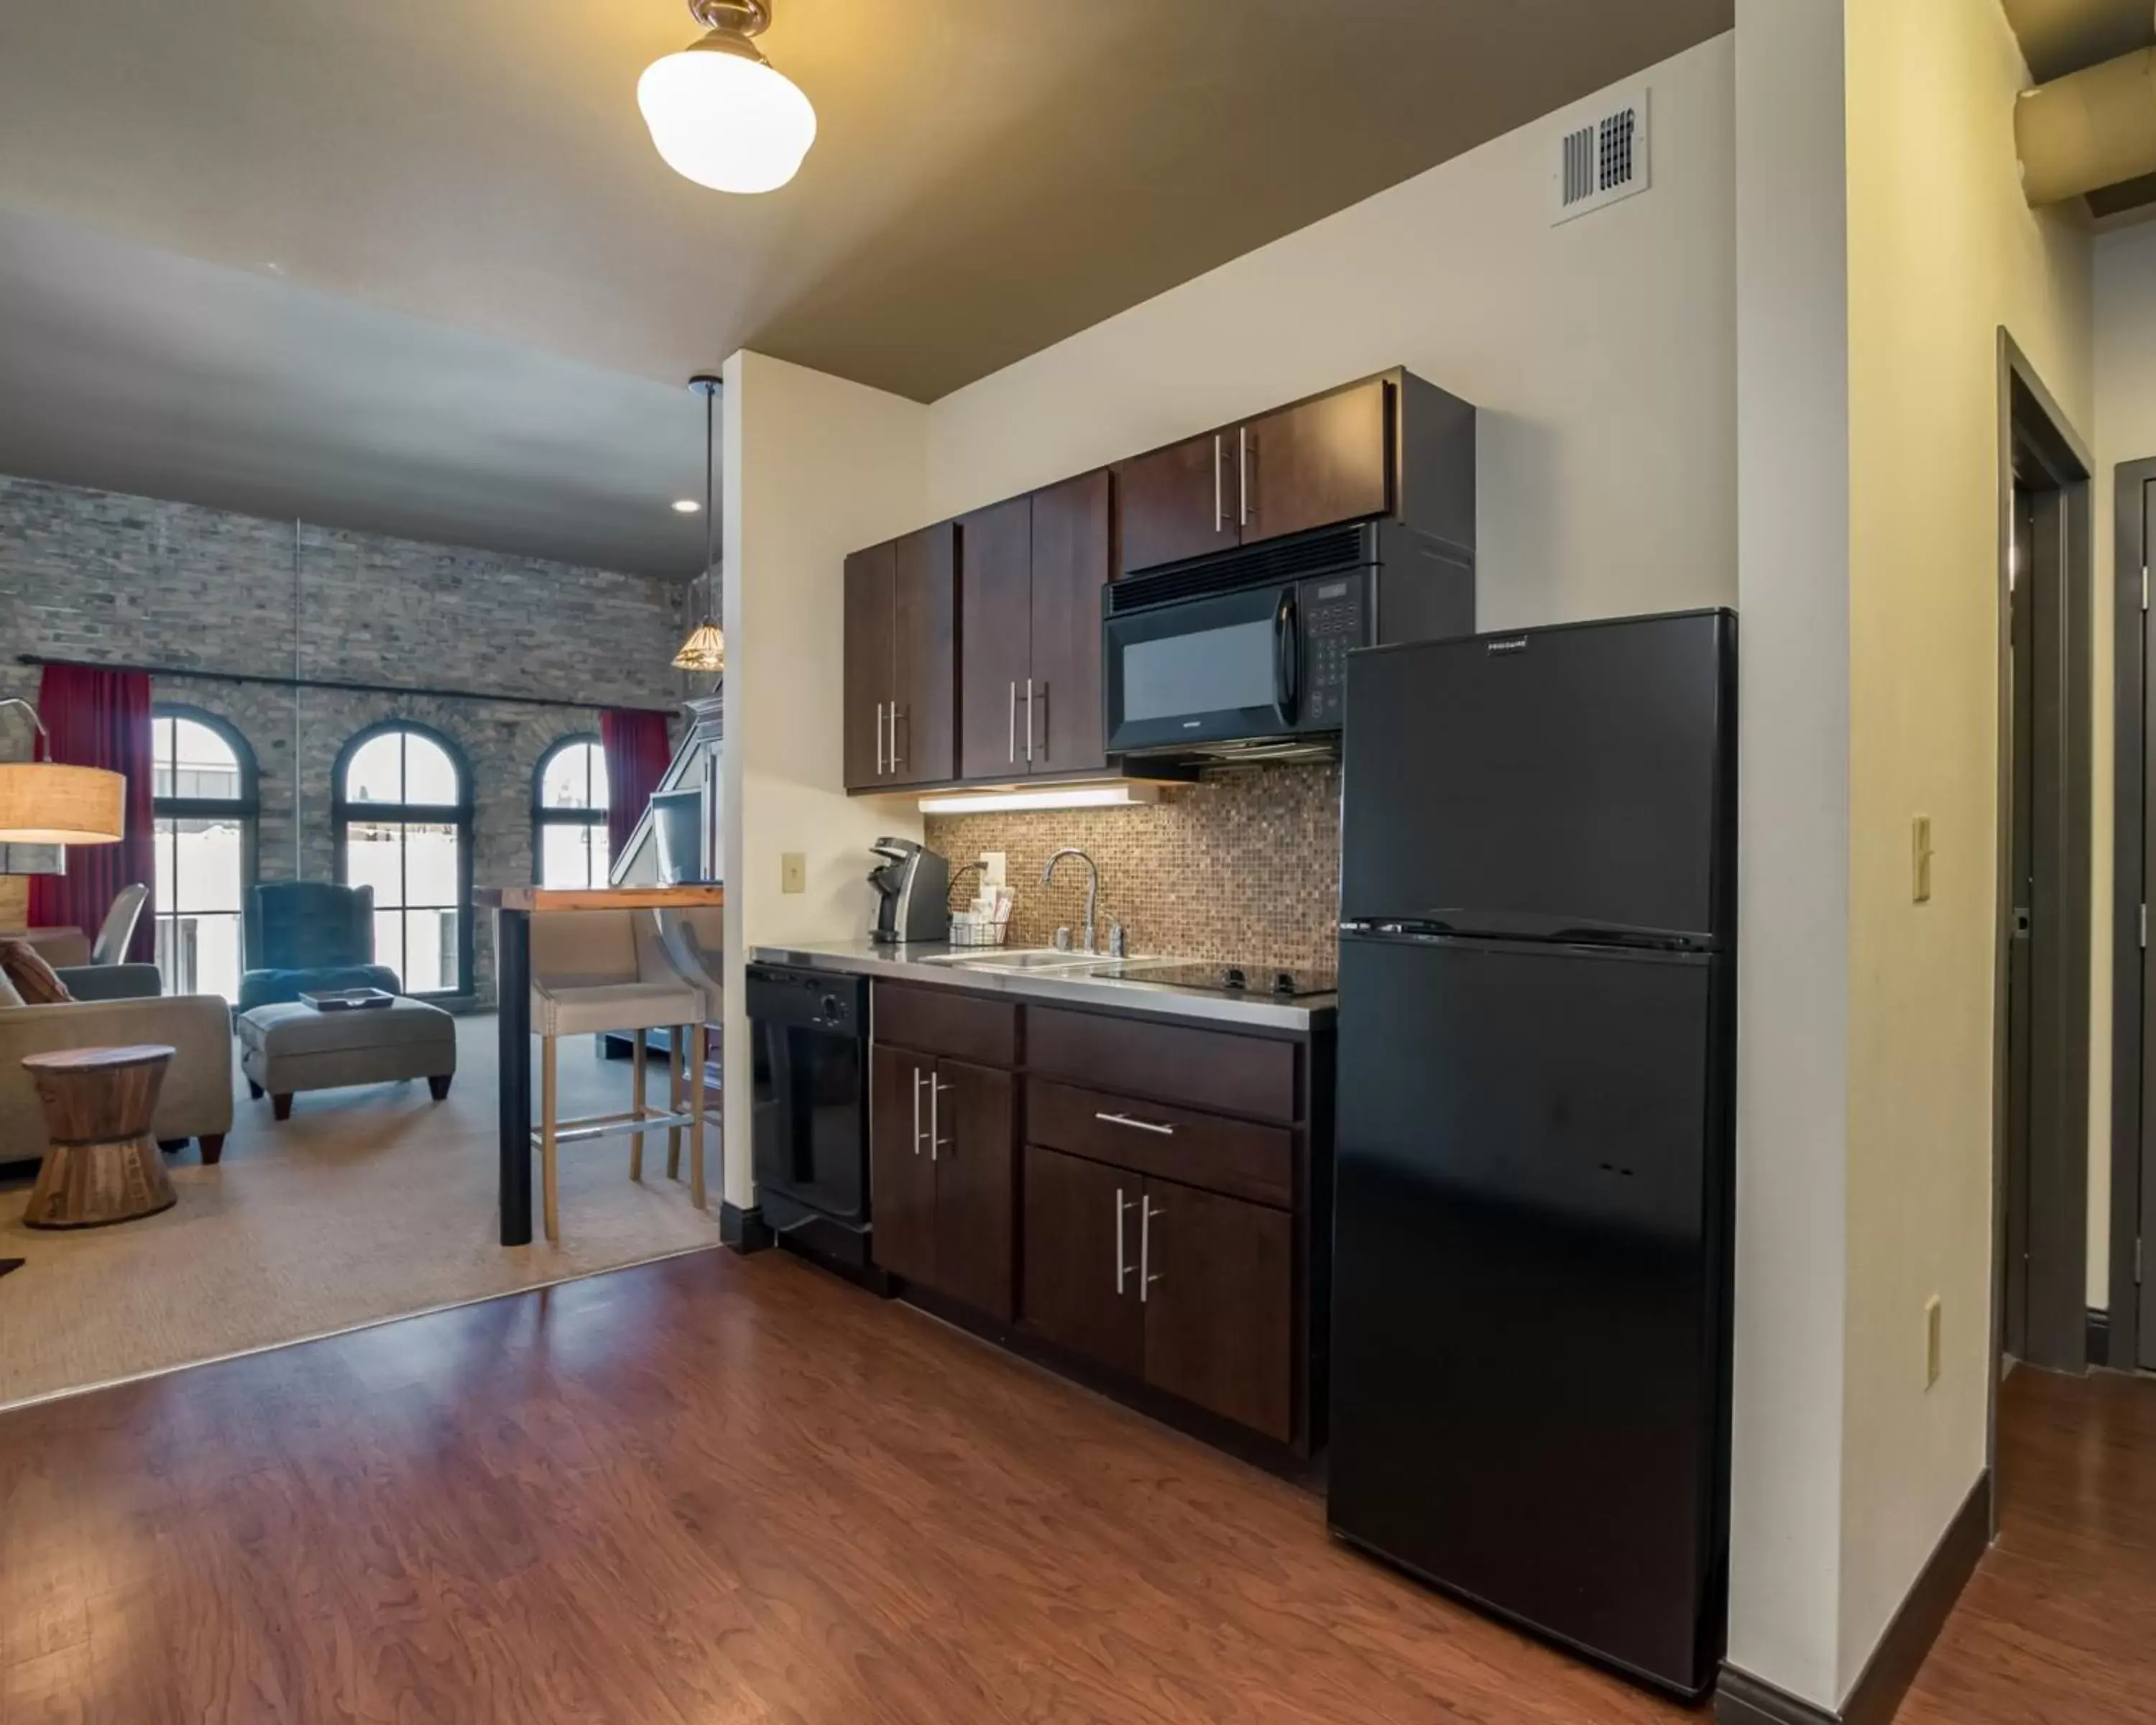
x=1025, y=958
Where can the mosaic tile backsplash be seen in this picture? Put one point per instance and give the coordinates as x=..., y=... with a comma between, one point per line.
x=1243, y=865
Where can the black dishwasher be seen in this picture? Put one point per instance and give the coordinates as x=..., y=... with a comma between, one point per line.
x=810, y=1130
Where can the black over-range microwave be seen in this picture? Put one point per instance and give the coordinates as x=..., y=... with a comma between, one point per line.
x=1245, y=652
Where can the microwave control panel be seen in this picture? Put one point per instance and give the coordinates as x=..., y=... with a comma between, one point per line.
x=1333, y=621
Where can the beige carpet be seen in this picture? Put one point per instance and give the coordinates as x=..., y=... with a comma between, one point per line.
x=367, y=1203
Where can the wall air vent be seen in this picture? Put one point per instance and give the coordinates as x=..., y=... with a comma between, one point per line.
x=1601, y=159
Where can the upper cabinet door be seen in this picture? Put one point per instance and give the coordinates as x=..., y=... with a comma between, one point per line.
x=1071, y=549
x=1178, y=502
x=924, y=688
x=870, y=667
x=1316, y=464
x=995, y=658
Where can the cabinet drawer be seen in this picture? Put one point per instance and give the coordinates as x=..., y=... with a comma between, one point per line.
x=1237, y=1156
x=938, y=1022
x=1172, y=1063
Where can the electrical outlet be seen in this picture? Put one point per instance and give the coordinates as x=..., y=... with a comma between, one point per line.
x=1932, y=1341
x=793, y=871
x=994, y=866
x=1920, y=859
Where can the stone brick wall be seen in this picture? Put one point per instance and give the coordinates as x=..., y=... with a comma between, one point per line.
x=97, y=577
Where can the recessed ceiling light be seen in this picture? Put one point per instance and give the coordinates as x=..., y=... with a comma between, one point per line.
x=718, y=113
x=686, y=505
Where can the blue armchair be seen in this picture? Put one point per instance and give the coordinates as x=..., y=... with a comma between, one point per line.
x=310, y=934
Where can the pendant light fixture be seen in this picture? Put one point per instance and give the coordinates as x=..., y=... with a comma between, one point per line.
x=705, y=649
x=718, y=113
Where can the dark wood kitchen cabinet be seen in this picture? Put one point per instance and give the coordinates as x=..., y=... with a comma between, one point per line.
x=943, y=1151
x=1081, y=1258
x=900, y=696
x=1031, y=572
x=1387, y=446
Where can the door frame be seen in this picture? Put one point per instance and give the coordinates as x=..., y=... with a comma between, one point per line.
x=2130, y=478
x=2037, y=444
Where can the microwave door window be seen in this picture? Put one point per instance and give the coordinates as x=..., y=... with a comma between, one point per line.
x=1215, y=670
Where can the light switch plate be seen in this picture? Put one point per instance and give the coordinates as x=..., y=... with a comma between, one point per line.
x=994, y=866
x=793, y=871
x=1932, y=1361
x=1920, y=859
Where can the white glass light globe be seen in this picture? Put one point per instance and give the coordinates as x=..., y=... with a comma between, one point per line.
x=725, y=121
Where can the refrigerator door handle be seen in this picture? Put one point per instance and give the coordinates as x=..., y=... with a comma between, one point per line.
x=1503, y=925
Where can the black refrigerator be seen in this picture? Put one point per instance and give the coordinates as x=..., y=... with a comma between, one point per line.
x=1530, y=1403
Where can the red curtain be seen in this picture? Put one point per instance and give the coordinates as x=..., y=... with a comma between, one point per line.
x=637, y=757
x=101, y=718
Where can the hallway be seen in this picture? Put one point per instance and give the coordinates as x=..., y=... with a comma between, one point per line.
x=2058, y=1623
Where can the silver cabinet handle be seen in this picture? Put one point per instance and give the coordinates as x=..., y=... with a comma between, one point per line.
x=1028, y=718
x=1014, y=720
x=1143, y=1126
x=879, y=739
x=1243, y=475
x=1217, y=517
x=916, y=1110
x=1147, y=1213
x=895, y=762
x=1123, y=1208
x=1044, y=719
x=936, y=1139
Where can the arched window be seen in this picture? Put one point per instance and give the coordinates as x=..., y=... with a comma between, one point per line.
x=569, y=815
x=401, y=810
x=203, y=800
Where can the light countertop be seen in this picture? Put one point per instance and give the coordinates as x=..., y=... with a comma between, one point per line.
x=915, y=963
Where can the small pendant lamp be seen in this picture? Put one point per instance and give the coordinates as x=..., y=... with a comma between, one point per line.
x=705, y=649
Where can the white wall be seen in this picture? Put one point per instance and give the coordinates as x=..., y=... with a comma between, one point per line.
x=1793, y=1044
x=1601, y=352
x=814, y=468
x=1943, y=251
x=2125, y=431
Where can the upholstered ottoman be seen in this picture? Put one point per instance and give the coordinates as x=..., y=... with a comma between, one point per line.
x=290, y=1047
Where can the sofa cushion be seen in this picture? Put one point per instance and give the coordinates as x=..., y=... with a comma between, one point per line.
x=296, y=1029
x=34, y=978
x=8, y=996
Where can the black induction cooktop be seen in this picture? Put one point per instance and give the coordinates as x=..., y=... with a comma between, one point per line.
x=1264, y=979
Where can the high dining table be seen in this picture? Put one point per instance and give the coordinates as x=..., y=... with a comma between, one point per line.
x=514, y=907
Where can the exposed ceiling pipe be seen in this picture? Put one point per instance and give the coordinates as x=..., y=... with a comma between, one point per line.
x=2091, y=128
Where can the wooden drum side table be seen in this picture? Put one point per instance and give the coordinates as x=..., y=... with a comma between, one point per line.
x=103, y=1165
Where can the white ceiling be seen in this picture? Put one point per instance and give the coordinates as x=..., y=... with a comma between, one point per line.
x=990, y=176
x=138, y=370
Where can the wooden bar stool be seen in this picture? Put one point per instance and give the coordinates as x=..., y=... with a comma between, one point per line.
x=596, y=972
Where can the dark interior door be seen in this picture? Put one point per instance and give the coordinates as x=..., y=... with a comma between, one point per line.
x=2145, y=1332
x=1528, y=1283
x=925, y=683
x=1219, y=1280
x=1316, y=464
x=2021, y=900
x=901, y=1178
x=976, y=1120
x=1071, y=532
x=871, y=665
x=995, y=657
x=1081, y=1255
x=1178, y=502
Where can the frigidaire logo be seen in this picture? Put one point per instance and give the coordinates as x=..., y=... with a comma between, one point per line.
x=1518, y=644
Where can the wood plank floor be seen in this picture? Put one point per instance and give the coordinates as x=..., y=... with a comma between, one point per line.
x=2059, y=1622
x=725, y=1490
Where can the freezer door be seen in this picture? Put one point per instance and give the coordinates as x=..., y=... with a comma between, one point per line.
x=1529, y=1290
x=1578, y=775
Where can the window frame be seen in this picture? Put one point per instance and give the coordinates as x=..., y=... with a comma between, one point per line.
x=543, y=817
x=343, y=812
x=246, y=807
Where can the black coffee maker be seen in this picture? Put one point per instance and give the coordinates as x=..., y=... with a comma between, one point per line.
x=913, y=891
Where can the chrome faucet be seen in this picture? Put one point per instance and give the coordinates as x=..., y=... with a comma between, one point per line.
x=1092, y=887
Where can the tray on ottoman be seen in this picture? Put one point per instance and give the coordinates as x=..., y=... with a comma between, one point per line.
x=290, y=1047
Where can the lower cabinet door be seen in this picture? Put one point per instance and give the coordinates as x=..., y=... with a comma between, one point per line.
x=975, y=1118
x=1218, y=1286
x=901, y=1178
x=1081, y=1254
